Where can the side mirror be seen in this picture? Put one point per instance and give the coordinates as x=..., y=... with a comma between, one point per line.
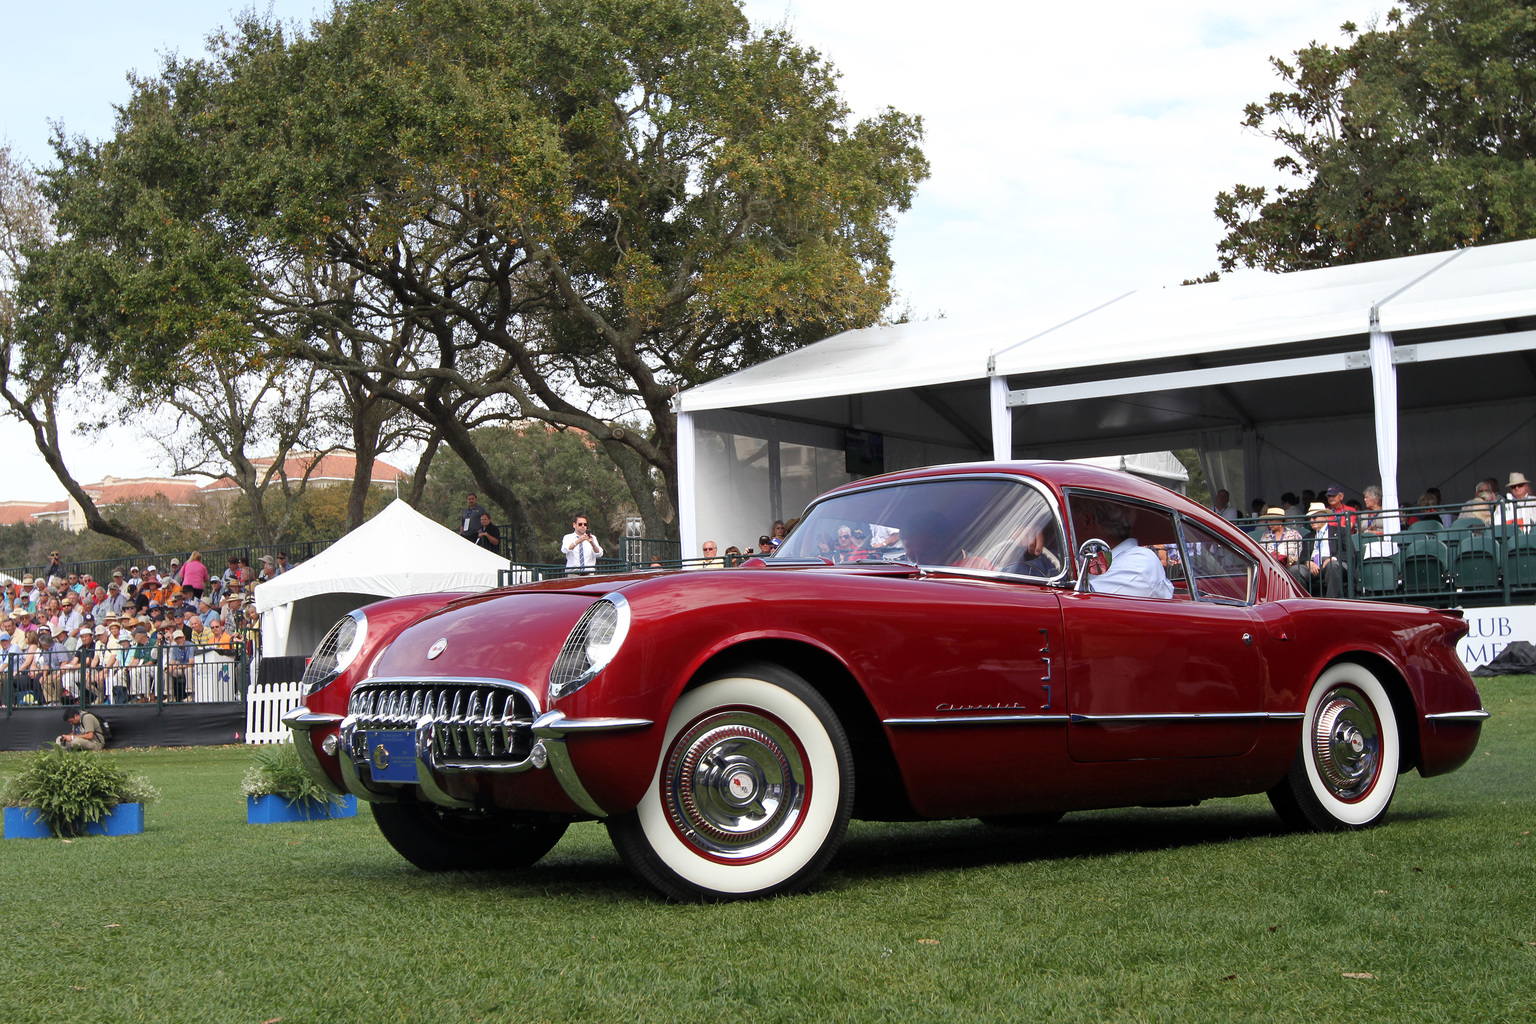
x=1093, y=558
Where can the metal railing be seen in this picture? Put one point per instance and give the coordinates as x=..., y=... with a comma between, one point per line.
x=158, y=674
x=524, y=572
x=1434, y=556
x=101, y=569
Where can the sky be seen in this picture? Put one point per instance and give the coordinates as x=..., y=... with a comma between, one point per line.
x=1076, y=152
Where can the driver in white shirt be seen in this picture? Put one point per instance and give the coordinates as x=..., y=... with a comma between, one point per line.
x=1134, y=571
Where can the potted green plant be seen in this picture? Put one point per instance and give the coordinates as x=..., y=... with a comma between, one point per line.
x=277, y=788
x=73, y=792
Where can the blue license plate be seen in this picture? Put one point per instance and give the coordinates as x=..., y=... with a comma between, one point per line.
x=392, y=755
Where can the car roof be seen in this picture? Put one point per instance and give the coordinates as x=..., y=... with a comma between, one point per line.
x=1056, y=475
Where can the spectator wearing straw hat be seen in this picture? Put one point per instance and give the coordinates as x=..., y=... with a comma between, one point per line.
x=1518, y=508
x=1285, y=543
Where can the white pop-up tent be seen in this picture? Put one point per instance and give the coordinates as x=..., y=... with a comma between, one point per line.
x=1412, y=372
x=397, y=552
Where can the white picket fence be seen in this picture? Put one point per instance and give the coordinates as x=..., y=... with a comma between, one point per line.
x=265, y=705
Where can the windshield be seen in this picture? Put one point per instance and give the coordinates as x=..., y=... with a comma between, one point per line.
x=990, y=524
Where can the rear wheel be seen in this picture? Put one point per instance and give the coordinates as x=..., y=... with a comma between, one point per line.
x=443, y=839
x=1345, y=770
x=751, y=795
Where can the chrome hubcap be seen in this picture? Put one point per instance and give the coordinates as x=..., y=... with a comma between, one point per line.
x=734, y=784
x=1346, y=743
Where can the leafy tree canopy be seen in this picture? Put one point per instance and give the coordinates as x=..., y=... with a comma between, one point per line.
x=562, y=474
x=562, y=210
x=1417, y=136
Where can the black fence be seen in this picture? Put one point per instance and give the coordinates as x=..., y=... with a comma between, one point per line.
x=148, y=674
x=101, y=569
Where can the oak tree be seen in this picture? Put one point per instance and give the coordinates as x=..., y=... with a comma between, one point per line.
x=550, y=210
x=1419, y=135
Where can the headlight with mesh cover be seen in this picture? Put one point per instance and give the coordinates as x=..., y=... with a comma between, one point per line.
x=594, y=640
x=337, y=649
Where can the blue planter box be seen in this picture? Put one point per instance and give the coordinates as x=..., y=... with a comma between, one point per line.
x=122, y=820
x=268, y=810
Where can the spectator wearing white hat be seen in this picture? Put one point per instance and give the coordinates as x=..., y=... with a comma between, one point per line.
x=1518, y=509
x=178, y=664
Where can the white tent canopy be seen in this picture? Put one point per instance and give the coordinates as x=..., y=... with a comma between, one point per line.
x=1420, y=368
x=397, y=552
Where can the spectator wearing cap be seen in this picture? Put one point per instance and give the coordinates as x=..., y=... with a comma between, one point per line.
x=10, y=661
x=134, y=578
x=268, y=569
x=140, y=664
x=110, y=654
x=206, y=612
x=45, y=664
x=1518, y=508
x=1340, y=514
x=178, y=664
x=282, y=562
x=55, y=567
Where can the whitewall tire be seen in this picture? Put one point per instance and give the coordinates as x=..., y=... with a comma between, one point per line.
x=1346, y=767
x=751, y=794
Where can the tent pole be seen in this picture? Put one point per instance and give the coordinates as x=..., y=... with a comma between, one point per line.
x=1002, y=420
x=687, y=510
x=1384, y=393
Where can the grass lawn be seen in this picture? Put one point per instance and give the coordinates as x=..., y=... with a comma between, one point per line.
x=1208, y=913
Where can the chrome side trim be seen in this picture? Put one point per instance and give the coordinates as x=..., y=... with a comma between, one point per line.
x=1194, y=716
x=299, y=721
x=548, y=729
x=554, y=723
x=1287, y=716
x=979, y=720
x=1458, y=716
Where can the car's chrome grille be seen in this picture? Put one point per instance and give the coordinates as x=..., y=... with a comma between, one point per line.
x=474, y=721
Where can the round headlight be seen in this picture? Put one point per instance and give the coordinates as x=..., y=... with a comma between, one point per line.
x=337, y=649
x=594, y=640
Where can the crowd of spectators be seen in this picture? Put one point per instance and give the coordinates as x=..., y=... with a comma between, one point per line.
x=767, y=544
x=67, y=638
x=1312, y=537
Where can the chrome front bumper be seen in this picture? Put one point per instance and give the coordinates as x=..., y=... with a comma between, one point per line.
x=459, y=726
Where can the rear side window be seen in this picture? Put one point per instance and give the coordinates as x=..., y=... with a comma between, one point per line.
x=1220, y=573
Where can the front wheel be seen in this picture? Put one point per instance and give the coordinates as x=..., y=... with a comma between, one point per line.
x=1345, y=770
x=751, y=795
x=442, y=839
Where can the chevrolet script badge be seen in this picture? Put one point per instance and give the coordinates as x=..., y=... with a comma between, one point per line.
x=437, y=647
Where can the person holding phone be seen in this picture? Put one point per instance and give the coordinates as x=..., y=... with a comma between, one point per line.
x=580, y=548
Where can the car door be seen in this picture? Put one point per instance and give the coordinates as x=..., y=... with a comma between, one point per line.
x=1157, y=677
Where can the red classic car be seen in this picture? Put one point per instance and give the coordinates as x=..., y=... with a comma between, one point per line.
x=922, y=646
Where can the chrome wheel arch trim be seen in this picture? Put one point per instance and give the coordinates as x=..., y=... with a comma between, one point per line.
x=1477, y=716
x=1229, y=716
x=550, y=730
